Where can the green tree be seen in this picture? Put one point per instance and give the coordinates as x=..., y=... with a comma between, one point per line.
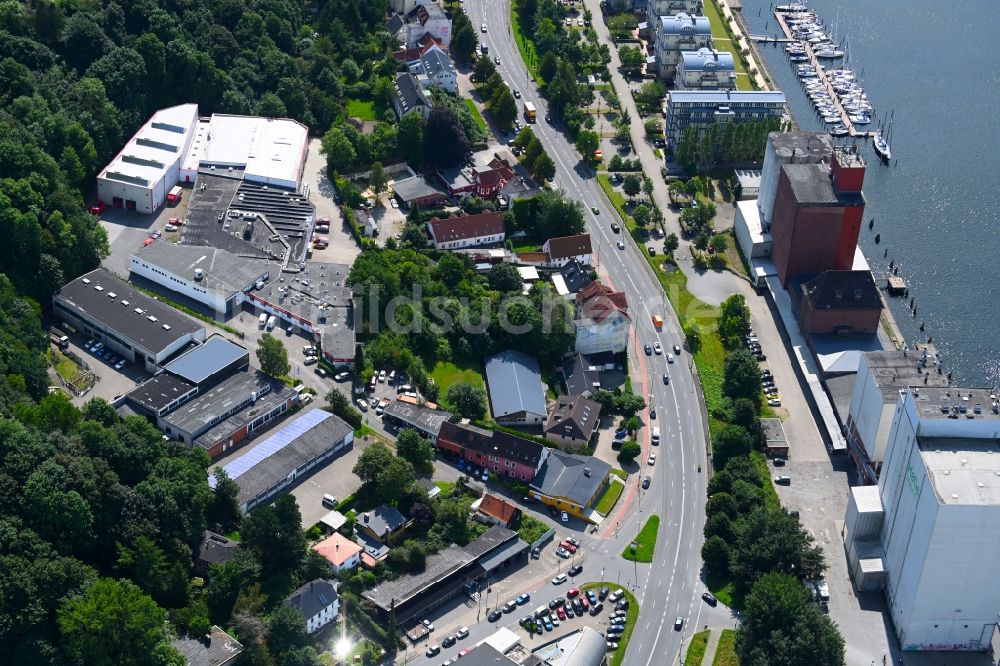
x=647, y=187
x=286, y=630
x=741, y=376
x=467, y=400
x=395, y=481
x=734, y=320
x=632, y=58
x=272, y=356
x=463, y=38
x=548, y=66
x=544, y=168
x=653, y=127
x=642, y=214
x=146, y=564
x=378, y=179
x=780, y=625
x=772, y=541
x=671, y=243
x=113, y=623
x=445, y=142
x=340, y=154
x=503, y=107
x=341, y=405
x=410, y=139
x=632, y=185
x=484, y=69
x=273, y=534
x=731, y=441
x=524, y=138
x=371, y=462
x=715, y=554
x=504, y=277
x=225, y=509
x=411, y=446
x=629, y=451
x=587, y=142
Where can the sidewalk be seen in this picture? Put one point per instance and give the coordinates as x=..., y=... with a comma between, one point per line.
x=713, y=643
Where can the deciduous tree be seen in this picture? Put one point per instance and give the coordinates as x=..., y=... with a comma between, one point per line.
x=272, y=356
x=412, y=447
x=468, y=400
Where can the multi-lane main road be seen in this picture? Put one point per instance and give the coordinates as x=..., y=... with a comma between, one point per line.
x=671, y=585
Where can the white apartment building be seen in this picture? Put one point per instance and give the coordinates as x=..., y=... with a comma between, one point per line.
x=680, y=32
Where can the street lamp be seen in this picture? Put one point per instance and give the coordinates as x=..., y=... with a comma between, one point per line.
x=635, y=567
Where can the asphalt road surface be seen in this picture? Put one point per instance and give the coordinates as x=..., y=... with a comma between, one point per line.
x=671, y=585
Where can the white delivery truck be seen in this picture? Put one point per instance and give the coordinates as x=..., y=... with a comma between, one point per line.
x=271, y=321
x=262, y=320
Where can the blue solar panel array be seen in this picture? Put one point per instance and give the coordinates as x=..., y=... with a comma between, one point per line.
x=273, y=444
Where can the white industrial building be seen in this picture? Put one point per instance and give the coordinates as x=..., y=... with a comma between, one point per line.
x=215, y=278
x=175, y=143
x=750, y=235
x=141, y=175
x=929, y=533
x=881, y=375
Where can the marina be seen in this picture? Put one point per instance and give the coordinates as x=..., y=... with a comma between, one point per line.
x=838, y=99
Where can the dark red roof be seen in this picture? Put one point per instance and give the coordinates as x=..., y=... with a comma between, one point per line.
x=466, y=226
x=598, y=301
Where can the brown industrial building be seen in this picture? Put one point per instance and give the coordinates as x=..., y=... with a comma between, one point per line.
x=817, y=216
x=844, y=302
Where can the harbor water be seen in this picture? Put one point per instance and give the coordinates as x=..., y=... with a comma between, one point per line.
x=937, y=205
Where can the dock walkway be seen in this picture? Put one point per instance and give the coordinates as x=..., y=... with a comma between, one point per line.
x=821, y=72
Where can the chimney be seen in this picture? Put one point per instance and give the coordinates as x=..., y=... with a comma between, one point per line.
x=366, y=516
x=586, y=472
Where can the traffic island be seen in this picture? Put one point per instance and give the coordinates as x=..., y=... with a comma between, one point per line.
x=642, y=547
x=631, y=615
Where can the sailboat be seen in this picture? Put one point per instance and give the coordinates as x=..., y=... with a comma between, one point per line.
x=881, y=142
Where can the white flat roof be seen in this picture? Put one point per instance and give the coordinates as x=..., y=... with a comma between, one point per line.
x=154, y=147
x=268, y=149
x=963, y=471
x=528, y=273
x=751, y=215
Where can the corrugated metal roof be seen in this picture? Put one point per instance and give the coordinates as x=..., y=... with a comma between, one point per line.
x=515, y=384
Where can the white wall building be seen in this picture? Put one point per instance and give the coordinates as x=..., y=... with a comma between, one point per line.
x=750, y=236
x=671, y=7
x=602, y=320
x=705, y=69
x=141, y=175
x=434, y=68
x=938, y=539
x=680, y=32
x=318, y=602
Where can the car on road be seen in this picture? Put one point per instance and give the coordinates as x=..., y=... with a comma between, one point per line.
x=666, y=378
x=496, y=59
x=517, y=94
x=709, y=598
x=563, y=516
x=615, y=228
x=523, y=599
x=670, y=358
x=677, y=350
x=563, y=553
x=494, y=616
x=595, y=210
x=774, y=402
x=678, y=623
x=649, y=350
x=657, y=348
x=651, y=460
x=575, y=570
x=646, y=481
x=482, y=28
x=432, y=650
x=559, y=580
x=448, y=641
x=652, y=413
x=783, y=480
x=621, y=245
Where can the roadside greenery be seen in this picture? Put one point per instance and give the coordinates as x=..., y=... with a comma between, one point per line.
x=696, y=649
x=725, y=651
x=645, y=542
x=610, y=497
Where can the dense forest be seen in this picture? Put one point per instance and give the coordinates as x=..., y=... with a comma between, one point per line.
x=98, y=516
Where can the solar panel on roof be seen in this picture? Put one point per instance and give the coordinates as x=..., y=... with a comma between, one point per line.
x=273, y=444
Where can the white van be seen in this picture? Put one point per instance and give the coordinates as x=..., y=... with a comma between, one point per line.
x=329, y=501
x=271, y=321
x=262, y=320
x=656, y=436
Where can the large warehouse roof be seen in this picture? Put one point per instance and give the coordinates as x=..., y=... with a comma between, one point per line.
x=515, y=383
x=132, y=315
x=224, y=273
x=269, y=150
x=206, y=359
x=154, y=148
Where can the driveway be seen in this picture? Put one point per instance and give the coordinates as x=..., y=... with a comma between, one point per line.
x=110, y=382
x=343, y=248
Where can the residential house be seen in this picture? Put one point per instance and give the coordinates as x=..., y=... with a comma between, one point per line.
x=318, y=603
x=562, y=250
x=571, y=483
x=418, y=191
x=457, y=180
x=423, y=19
x=839, y=302
x=467, y=230
x=436, y=69
x=517, y=396
x=602, y=320
x=340, y=552
x=490, y=181
x=213, y=549
x=571, y=278
x=411, y=56
x=573, y=420
x=499, y=452
x=409, y=97
x=585, y=375
x=671, y=7
x=383, y=524
x=406, y=412
x=705, y=69
x=217, y=648
x=677, y=33
x=494, y=510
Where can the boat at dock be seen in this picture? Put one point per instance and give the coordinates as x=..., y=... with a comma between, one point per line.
x=829, y=54
x=839, y=130
x=792, y=7
x=881, y=141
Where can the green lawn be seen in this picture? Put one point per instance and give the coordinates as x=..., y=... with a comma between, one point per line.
x=645, y=541
x=617, y=200
x=631, y=615
x=696, y=650
x=445, y=486
x=476, y=115
x=620, y=473
x=771, y=500
x=723, y=589
x=64, y=365
x=723, y=41
x=611, y=496
x=446, y=373
x=531, y=529
x=363, y=109
x=725, y=654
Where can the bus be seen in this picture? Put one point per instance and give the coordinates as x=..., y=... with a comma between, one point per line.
x=262, y=320
x=658, y=322
x=174, y=196
x=529, y=111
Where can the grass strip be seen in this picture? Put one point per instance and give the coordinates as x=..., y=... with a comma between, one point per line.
x=478, y=117
x=645, y=542
x=696, y=650
x=725, y=653
x=610, y=497
x=631, y=615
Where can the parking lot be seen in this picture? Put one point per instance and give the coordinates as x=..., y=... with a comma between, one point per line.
x=343, y=249
x=110, y=382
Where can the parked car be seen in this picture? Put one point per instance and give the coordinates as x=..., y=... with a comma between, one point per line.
x=559, y=580
x=596, y=609
x=575, y=570
x=362, y=404
x=591, y=596
x=645, y=482
x=564, y=517
x=321, y=372
x=783, y=480
x=779, y=462
x=494, y=616
x=603, y=594
x=432, y=650
x=462, y=633
x=561, y=612
x=651, y=460
x=427, y=623
x=310, y=360
x=572, y=592
x=709, y=598
x=774, y=402
x=568, y=546
x=341, y=376
x=523, y=599
x=562, y=552
x=98, y=208
x=448, y=641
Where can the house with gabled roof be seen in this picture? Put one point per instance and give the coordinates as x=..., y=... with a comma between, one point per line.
x=602, y=320
x=436, y=69
x=498, y=452
x=573, y=420
x=495, y=510
x=562, y=250
x=318, y=603
x=409, y=97
x=462, y=231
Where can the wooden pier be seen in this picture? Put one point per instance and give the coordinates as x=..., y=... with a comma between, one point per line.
x=821, y=73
